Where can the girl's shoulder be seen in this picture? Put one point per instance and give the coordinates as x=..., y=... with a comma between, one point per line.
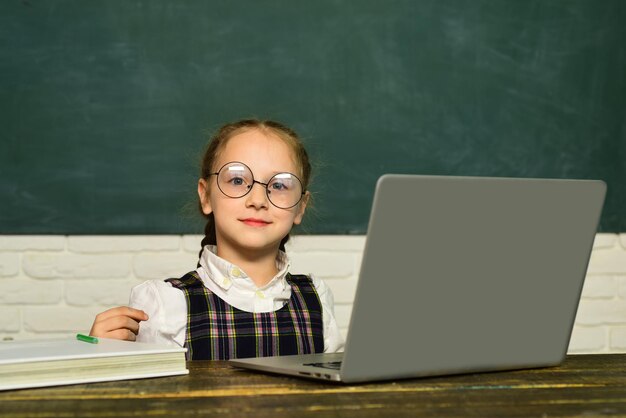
x=300, y=277
x=191, y=279
x=157, y=298
x=306, y=278
x=158, y=287
x=320, y=285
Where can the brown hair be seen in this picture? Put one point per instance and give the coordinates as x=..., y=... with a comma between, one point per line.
x=219, y=141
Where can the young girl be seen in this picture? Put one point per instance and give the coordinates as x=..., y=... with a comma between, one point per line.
x=241, y=301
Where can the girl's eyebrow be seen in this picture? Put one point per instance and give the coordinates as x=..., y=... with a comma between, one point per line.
x=273, y=173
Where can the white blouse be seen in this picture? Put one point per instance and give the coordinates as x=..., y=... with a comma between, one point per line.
x=167, y=309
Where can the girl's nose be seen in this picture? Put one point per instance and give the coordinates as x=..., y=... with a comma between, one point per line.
x=257, y=197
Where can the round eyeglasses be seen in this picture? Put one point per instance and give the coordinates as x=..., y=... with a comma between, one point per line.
x=235, y=180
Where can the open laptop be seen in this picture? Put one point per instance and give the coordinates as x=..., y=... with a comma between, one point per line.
x=462, y=274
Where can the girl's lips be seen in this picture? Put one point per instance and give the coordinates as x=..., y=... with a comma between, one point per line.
x=255, y=222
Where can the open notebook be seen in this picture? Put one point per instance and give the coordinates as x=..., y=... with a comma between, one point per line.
x=462, y=274
x=52, y=362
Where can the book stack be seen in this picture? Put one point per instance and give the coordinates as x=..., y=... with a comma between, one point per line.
x=38, y=363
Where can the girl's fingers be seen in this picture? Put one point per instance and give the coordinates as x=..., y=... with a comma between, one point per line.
x=136, y=314
x=121, y=334
x=118, y=323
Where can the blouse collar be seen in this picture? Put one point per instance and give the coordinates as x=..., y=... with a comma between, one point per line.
x=226, y=274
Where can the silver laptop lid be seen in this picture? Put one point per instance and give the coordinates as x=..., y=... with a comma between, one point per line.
x=464, y=273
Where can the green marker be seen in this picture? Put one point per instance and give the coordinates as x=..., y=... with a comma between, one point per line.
x=87, y=338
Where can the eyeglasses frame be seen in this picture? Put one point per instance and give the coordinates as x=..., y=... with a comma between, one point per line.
x=265, y=185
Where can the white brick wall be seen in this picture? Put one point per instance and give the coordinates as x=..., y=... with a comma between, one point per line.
x=54, y=285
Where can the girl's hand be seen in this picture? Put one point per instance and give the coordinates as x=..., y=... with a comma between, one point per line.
x=121, y=323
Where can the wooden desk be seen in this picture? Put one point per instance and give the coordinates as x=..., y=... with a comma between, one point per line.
x=584, y=385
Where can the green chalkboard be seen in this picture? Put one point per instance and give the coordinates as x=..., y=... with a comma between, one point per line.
x=105, y=105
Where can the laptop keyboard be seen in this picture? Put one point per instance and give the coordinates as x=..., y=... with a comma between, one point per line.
x=335, y=365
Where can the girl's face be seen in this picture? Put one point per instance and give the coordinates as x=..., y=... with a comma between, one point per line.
x=251, y=223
